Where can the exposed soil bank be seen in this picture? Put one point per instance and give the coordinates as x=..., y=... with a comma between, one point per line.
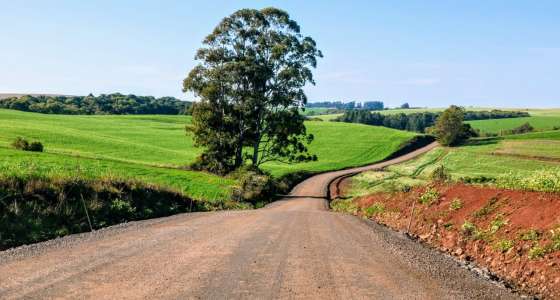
x=515, y=234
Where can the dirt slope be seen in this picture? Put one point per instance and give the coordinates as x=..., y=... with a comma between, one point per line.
x=294, y=248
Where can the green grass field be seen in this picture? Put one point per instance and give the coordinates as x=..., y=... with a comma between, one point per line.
x=538, y=122
x=154, y=148
x=314, y=111
x=522, y=155
x=541, y=119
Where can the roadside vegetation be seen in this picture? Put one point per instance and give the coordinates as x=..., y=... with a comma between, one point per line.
x=492, y=200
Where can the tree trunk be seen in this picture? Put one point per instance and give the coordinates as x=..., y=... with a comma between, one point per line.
x=239, y=153
x=256, y=151
x=257, y=142
x=239, y=150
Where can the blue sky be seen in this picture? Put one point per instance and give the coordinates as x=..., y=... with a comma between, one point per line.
x=428, y=53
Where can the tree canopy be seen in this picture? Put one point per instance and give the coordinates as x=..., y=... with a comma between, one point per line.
x=250, y=78
x=116, y=103
x=419, y=121
x=449, y=129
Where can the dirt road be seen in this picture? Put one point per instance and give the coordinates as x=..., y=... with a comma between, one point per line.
x=294, y=248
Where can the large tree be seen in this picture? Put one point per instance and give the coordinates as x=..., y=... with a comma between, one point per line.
x=250, y=80
x=449, y=128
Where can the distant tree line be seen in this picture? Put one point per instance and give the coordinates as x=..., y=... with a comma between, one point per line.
x=369, y=105
x=418, y=121
x=116, y=103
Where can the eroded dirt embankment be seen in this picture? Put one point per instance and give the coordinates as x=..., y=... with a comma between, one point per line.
x=514, y=234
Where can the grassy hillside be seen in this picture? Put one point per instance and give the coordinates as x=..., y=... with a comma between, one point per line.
x=341, y=145
x=522, y=155
x=154, y=148
x=539, y=122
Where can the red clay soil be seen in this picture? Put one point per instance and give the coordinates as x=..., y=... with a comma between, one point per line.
x=440, y=226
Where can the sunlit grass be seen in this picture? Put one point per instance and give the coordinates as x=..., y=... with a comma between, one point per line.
x=154, y=149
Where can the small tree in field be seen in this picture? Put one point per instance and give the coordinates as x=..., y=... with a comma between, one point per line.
x=449, y=129
x=250, y=80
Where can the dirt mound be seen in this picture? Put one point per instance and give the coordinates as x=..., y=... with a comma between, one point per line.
x=515, y=234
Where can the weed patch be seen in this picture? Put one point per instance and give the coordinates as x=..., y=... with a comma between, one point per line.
x=456, y=204
x=488, y=208
x=497, y=223
x=36, y=209
x=345, y=206
x=430, y=196
x=375, y=209
x=530, y=235
x=503, y=245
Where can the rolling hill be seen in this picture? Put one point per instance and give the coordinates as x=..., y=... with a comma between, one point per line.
x=155, y=149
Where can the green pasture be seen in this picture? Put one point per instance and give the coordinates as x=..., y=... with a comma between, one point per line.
x=522, y=155
x=155, y=149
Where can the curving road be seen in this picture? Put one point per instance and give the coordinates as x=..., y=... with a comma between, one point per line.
x=294, y=248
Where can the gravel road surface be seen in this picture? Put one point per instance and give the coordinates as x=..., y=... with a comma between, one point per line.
x=294, y=248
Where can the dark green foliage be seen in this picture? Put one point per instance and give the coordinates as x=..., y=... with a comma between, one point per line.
x=250, y=80
x=36, y=146
x=449, y=129
x=524, y=128
x=36, y=209
x=419, y=122
x=254, y=186
x=22, y=144
x=440, y=174
x=117, y=104
x=405, y=105
x=477, y=179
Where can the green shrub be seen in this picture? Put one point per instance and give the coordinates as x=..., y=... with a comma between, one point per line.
x=477, y=180
x=497, y=223
x=440, y=174
x=36, y=147
x=470, y=230
x=456, y=204
x=430, y=196
x=555, y=239
x=254, y=185
x=536, y=252
x=503, y=245
x=530, y=235
x=22, y=144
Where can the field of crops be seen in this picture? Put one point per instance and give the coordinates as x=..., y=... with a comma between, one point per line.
x=154, y=148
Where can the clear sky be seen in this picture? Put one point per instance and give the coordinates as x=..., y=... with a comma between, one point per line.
x=428, y=53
